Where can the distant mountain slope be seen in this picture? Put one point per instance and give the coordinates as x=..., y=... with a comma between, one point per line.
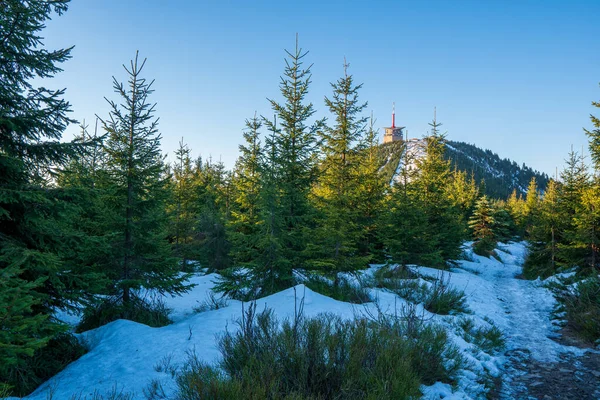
x=501, y=176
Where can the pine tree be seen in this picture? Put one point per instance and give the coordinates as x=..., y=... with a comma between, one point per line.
x=336, y=190
x=481, y=224
x=136, y=193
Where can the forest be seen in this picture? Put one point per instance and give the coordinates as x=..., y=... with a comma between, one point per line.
x=95, y=224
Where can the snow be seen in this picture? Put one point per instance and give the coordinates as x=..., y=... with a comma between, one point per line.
x=127, y=355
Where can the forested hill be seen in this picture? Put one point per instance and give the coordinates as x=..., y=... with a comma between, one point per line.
x=501, y=175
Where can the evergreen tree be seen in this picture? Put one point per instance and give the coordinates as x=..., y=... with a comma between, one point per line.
x=504, y=226
x=575, y=181
x=532, y=208
x=445, y=228
x=294, y=164
x=136, y=194
x=184, y=207
x=594, y=139
x=481, y=224
x=371, y=191
x=245, y=214
x=214, y=190
x=515, y=205
x=38, y=243
x=587, y=228
x=463, y=192
x=404, y=222
x=336, y=190
x=542, y=259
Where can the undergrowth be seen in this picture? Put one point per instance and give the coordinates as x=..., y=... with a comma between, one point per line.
x=489, y=339
x=580, y=304
x=322, y=358
x=343, y=291
x=437, y=296
x=21, y=379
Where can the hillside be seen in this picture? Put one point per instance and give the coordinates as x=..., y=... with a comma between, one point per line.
x=501, y=175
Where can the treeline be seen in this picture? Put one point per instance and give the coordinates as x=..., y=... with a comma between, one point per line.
x=501, y=175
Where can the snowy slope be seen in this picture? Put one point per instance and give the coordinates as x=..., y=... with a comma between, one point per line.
x=124, y=355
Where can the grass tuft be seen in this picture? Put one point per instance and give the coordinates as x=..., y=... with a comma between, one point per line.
x=324, y=357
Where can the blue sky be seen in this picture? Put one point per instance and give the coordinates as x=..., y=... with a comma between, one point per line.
x=517, y=77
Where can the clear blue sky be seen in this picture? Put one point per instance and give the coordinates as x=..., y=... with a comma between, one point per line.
x=516, y=77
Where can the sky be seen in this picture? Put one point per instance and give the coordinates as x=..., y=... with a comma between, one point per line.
x=515, y=77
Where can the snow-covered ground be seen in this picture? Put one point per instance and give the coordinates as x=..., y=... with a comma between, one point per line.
x=125, y=356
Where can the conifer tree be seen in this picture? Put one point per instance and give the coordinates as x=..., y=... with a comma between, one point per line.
x=37, y=240
x=184, y=207
x=336, y=190
x=575, y=181
x=515, y=205
x=546, y=234
x=136, y=193
x=294, y=163
x=589, y=222
x=272, y=270
x=532, y=208
x=444, y=221
x=594, y=138
x=481, y=224
x=463, y=192
x=404, y=222
x=371, y=191
x=245, y=214
x=214, y=191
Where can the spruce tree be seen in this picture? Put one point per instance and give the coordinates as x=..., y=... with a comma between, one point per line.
x=545, y=235
x=294, y=164
x=575, y=181
x=404, y=222
x=591, y=211
x=184, y=207
x=445, y=227
x=213, y=185
x=594, y=138
x=39, y=272
x=336, y=190
x=371, y=191
x=482, y=224
x=532, y=209
x=136, y=193
x=244, y=223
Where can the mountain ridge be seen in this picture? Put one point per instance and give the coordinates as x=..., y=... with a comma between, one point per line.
x=501, y=175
